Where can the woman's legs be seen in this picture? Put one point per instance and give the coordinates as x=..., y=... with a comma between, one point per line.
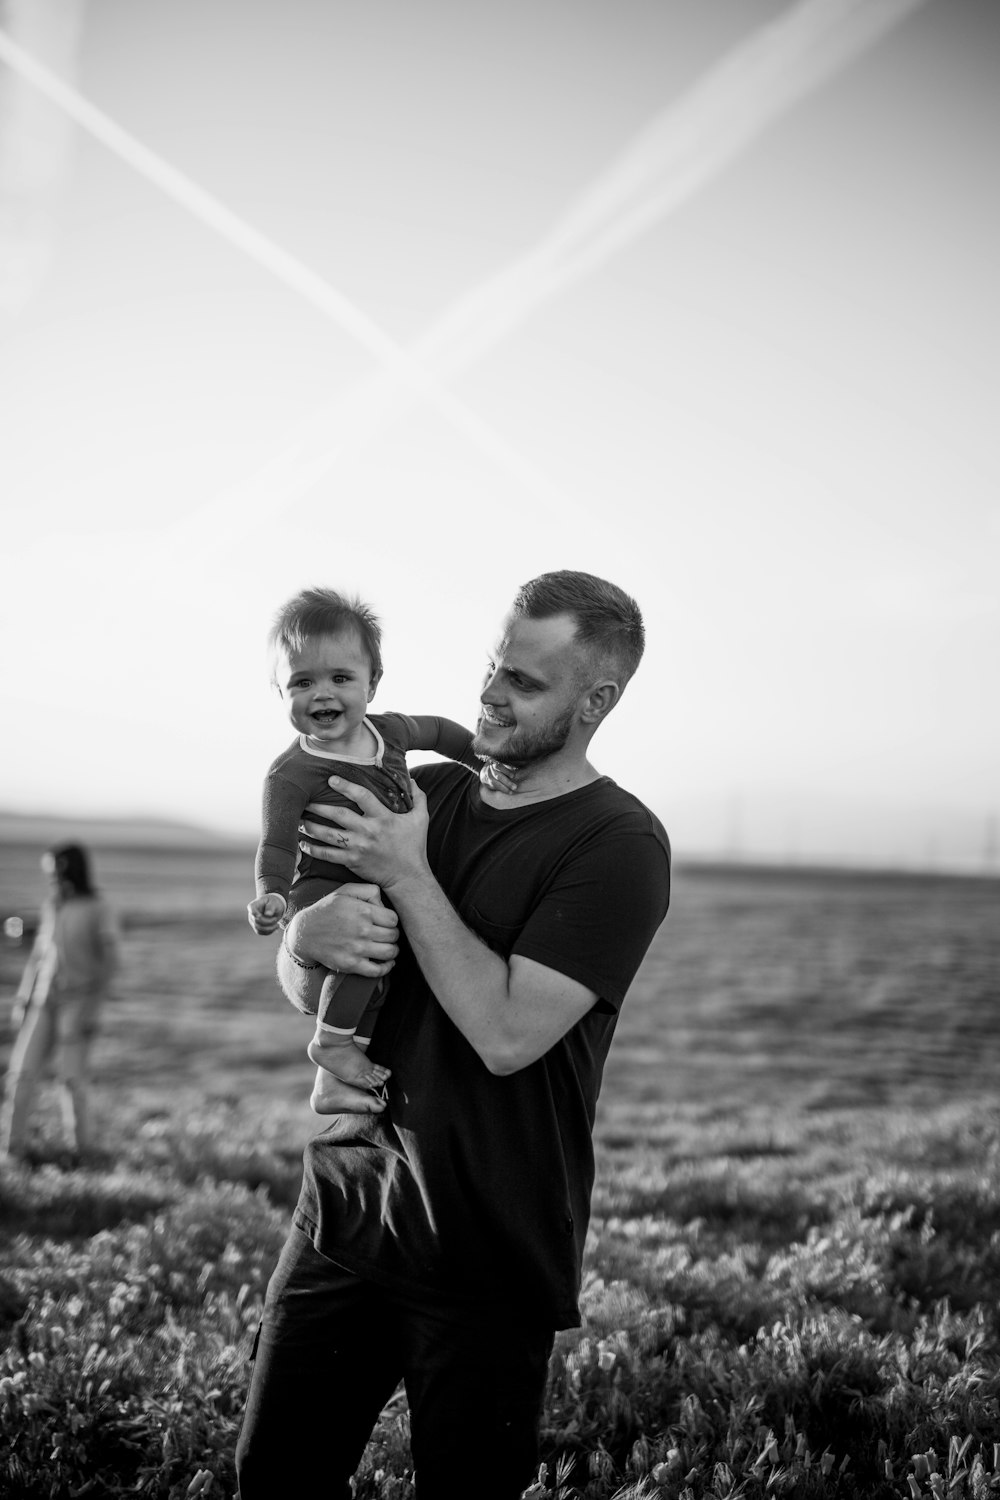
x=74, y=1094
x=79, y=1012
x=31, y=1049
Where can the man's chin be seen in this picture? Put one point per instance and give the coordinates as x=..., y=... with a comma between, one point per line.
x=486, y=750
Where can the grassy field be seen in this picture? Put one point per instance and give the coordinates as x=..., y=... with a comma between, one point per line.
x=794, y=1261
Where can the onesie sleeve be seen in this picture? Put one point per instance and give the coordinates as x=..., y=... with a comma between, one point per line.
x=278, y=850
x=443, y=736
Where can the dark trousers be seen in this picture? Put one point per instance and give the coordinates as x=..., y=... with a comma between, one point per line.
x=331, y=1350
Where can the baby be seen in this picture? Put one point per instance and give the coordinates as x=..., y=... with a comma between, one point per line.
x=326, y=665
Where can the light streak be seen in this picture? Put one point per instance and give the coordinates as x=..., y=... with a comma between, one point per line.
x=679, y=152
x=326, y=298
x=683, y=148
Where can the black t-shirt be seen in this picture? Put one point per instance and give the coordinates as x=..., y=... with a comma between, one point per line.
x=472, y=1184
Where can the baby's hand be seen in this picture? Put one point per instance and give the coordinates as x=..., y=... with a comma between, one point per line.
x=266, y=912
x=496, y=777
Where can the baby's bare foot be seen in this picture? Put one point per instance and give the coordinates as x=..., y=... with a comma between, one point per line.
x=332, y=1096
x=348, y=1062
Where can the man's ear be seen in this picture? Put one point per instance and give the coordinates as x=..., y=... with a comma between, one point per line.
x=600, y=700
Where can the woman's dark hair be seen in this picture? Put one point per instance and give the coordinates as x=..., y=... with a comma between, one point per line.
x=72, y=865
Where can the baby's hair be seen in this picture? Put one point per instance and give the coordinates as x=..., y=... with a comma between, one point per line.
x=320, y=612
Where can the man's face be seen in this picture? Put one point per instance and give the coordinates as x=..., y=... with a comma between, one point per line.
x=533, y=691
x=326, y=688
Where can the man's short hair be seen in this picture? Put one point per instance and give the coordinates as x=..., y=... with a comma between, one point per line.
x=608, y=621
x=319, y=612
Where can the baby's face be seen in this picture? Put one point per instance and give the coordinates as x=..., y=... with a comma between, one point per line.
x=326, y=688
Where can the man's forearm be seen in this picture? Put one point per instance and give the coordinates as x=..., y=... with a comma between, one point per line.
x=469, y=980
x=347, y=932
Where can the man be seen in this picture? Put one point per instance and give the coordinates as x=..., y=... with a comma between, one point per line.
x=439, y=1240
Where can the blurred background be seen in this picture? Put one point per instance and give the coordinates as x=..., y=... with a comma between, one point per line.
x=421, y=301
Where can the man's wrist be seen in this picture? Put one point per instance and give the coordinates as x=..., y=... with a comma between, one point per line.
x=409, y=879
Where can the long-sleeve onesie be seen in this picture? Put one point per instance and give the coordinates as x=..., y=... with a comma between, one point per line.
x=299, y=777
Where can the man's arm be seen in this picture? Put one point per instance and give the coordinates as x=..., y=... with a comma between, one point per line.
x=510, y=1013
x=348, y=931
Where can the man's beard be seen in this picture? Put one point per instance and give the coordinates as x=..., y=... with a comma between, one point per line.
x=528, y=746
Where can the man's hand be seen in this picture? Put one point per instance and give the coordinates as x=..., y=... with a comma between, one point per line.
x=349, y=930
x=379, y=845
x=265, y=912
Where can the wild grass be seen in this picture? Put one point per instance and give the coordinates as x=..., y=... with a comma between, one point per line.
x=793, y=1264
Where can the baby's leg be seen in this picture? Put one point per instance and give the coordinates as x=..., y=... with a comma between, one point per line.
x=342, y=1067
x=336, y=1049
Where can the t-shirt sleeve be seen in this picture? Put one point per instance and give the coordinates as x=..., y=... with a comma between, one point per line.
x=599, y=917
x=281, y=811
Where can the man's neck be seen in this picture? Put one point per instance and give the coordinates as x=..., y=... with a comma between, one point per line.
x=543, y=780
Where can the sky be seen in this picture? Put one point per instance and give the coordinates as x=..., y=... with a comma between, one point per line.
x=491, y=290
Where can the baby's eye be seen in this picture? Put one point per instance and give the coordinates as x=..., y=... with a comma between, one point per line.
x=301, y=682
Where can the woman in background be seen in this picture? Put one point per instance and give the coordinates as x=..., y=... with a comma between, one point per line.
x=59, y=998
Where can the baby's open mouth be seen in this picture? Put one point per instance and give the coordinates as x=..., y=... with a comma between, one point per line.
x=325, y=715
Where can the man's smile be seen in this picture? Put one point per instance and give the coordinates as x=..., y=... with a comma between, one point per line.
x=491, y=716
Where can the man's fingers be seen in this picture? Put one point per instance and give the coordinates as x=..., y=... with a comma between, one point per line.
x=360, y=890
x=359, y=795
x=311, y=833
x=333, y=810
x=372, y=970
x=336, y=822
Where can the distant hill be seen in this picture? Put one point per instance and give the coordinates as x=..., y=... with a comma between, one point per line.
x=45, y=829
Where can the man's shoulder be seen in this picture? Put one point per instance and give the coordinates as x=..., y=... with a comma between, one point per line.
x=629, y=806
x=617, y=820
